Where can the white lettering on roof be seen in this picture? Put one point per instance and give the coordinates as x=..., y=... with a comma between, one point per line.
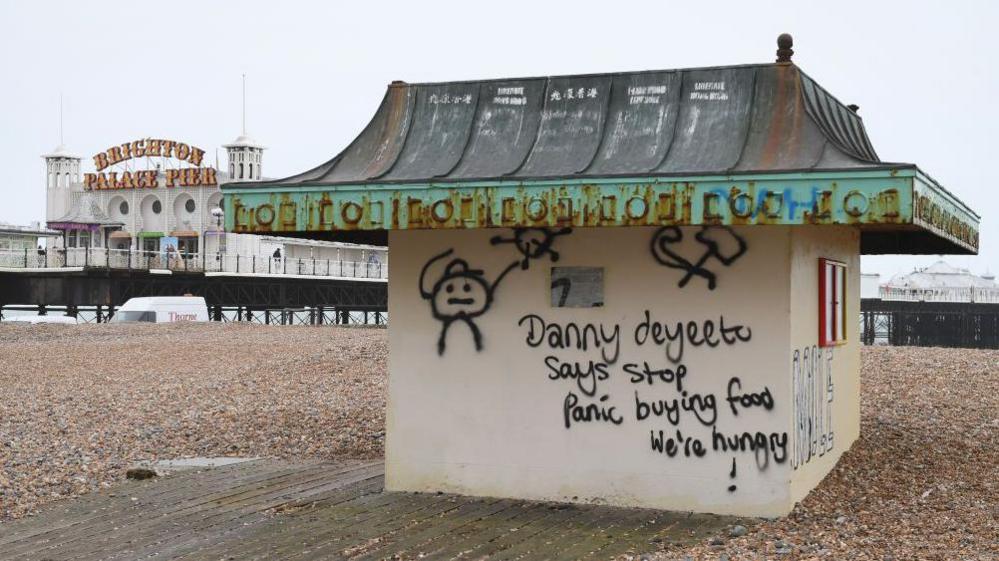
x=716, y=86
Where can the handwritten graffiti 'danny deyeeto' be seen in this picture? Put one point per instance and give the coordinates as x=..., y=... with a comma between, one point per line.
x=669, y=394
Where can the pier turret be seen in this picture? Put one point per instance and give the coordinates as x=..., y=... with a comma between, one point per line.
x=245, y=154
x=62, y=169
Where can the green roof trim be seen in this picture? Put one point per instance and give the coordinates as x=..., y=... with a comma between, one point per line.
x=899, y=210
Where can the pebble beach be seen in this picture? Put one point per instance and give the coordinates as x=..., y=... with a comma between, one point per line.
x=921, y=483
x=81, y=404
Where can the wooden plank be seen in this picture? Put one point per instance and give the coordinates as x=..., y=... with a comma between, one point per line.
x=312, y=511
x=329, y=523
x=469, y=543
x=372, y=532
x=219, y=509
x=357, y=530
x=123, y=508
x=437, y=507
x=614, y=524
x=69, y=512
x=282, y=528
x=211, y=529
x=160, y=490
x=556, y=517
x=443, y=527
x=316, y=495
x=361, y=532
x=352, y=530
x=558, y=534
x=634, y=535
x=548, y=533
x=593, y=528
x=143, y=514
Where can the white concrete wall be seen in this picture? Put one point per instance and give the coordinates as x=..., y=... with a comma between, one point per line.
x=303, y=251
x=60, y=177
x=825, y=381
x=10, y=241
x=493, y=422
x=870, y=285
x=242, y=244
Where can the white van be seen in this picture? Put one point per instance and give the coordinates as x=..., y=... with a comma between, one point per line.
x=163, y=309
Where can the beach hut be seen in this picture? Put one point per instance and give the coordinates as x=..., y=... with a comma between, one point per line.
x=636, y=289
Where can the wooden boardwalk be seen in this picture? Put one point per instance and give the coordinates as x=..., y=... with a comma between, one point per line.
x=307, y=511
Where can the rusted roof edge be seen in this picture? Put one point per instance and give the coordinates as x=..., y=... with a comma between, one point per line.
x=886, y=170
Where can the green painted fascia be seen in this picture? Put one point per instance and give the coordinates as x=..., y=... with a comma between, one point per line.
x=927, y=182
x=889, y=198
x=939, y=211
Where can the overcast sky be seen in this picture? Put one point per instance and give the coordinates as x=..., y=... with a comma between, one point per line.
x=923, y=73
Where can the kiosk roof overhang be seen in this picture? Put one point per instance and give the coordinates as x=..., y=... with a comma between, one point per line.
x=757, y=144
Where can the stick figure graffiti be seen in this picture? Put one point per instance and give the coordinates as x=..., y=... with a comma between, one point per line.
x=463, y=294
x=533, y=243
x=720, y=242
x=460, y=294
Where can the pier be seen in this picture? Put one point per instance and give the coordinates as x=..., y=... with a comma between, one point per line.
x=257, y=288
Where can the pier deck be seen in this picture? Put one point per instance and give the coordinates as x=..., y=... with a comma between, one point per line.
x=268, y=509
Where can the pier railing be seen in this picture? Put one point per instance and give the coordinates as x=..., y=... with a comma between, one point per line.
x=929, y=324
x=206, y=262
x=981, y=294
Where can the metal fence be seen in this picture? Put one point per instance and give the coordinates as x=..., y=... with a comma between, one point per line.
x=989, y=295
x=929, y=324
x=131, y=259
x=224, y=314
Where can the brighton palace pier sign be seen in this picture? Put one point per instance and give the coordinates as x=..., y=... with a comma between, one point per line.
x=149, y=179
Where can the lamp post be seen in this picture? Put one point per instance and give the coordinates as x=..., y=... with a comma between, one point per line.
x=218, y=214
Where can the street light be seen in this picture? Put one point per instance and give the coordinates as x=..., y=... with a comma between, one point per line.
x=218, y=214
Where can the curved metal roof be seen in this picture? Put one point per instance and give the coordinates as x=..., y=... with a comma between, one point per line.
x=769, y=117
x=86, y=210
x=61, y=152
x=244, y=141
x=940, y=275
x=752, y=144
